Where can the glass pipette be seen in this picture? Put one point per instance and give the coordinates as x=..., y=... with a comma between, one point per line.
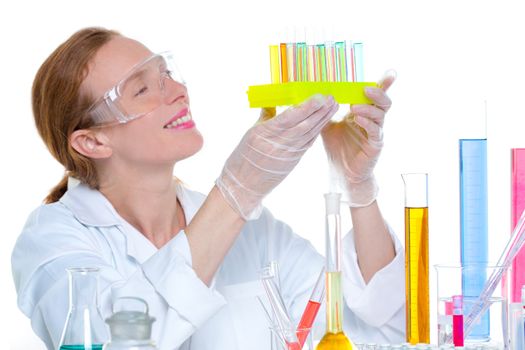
x=282, y=322
x=312, y=307
x=509, y=253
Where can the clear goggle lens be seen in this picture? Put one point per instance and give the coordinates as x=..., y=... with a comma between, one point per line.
x=141, y=92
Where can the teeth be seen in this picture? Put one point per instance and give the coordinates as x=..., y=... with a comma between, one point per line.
x=179, y=121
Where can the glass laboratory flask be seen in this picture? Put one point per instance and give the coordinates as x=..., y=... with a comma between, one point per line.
x=416, y=258
x=84, y=328
x=334, y=338
x=130, y=326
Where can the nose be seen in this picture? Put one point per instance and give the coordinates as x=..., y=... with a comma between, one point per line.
x=173, y=90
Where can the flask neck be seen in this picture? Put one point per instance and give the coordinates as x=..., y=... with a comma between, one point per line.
x=334, y=302
x=83, y=289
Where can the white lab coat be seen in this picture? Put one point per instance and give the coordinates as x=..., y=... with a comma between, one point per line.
x=83, y=229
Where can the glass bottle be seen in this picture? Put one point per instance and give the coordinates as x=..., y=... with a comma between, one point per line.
x=84, y=328
x=130, y=326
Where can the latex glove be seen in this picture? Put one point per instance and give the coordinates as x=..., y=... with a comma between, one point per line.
x=269, y=151
x=353, y=145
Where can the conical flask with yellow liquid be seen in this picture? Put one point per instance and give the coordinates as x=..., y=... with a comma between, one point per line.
x=334, y=338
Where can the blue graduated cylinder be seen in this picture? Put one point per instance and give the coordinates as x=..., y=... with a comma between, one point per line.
x=474, y=225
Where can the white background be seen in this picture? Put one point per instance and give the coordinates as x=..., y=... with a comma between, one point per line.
x=450, y=56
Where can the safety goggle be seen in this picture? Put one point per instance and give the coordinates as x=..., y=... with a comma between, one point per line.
x=139, y=93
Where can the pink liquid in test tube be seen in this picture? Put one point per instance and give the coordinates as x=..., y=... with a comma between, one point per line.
x=517, y=278
x=457, y=321
x=311, y=310
x=307, y=320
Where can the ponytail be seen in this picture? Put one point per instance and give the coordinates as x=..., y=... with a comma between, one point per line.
x=58, y=191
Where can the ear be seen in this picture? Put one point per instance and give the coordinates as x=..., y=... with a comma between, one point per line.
x=90, y=143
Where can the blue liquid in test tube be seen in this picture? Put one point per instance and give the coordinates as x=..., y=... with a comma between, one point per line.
x=474, y=231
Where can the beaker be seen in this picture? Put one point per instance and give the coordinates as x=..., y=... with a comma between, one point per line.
x=279, y=343
x=130, y=325
x=84, y=328
x=416, y=258
x=449, y=284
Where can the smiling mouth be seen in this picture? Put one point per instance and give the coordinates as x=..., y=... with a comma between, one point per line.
x=182, y=117
x=177, y=122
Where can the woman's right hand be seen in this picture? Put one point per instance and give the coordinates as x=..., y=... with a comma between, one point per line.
x=269, y=151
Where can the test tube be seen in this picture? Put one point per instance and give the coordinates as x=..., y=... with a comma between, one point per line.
x=311, y=63
x=340, y=59
x=457, y=320
x=517, y=278
x=275, y=71
x=312, y=308
x=350, y=61
x=330, y=61
x=284, y=62
x=416, y=258
x=321, y=62
x=473, y=228
x=291, y=53
x=283, y=322
x=301, y=57
x=358, y=62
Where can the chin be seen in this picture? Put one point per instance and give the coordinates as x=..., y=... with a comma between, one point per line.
x=192, y=148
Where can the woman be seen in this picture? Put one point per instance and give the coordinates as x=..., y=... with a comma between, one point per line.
x=117, y=117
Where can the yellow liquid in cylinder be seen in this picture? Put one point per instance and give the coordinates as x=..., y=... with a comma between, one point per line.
x=334, y=339
x=416, y=276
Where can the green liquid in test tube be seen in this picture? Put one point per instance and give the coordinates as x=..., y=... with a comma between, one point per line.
x=302, y=58
x=340, y=52
x=321, y=62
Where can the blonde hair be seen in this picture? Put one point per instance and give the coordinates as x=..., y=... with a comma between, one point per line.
x=60, y=108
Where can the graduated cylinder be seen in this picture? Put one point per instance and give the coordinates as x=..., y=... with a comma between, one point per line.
x=416, y=258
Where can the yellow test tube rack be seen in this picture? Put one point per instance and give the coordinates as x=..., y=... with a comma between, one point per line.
x=285, y=94
x=300, y=70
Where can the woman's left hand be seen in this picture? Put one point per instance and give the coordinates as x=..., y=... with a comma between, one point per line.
x=353, y=145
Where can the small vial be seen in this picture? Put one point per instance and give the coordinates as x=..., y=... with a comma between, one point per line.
x=457, y=320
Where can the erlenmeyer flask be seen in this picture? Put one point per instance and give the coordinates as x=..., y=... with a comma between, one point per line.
x=84, y=328
x=130, y=325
